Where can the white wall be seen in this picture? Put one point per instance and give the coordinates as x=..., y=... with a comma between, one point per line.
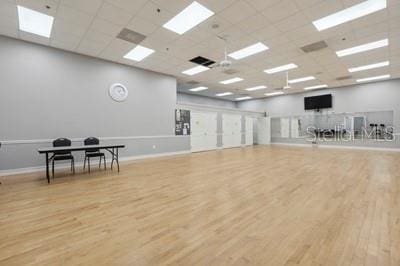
x=48, y=93
x=379, y=96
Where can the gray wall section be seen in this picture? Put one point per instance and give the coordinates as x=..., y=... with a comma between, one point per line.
x=378, y=96
x=48, y=93
x=195, y=99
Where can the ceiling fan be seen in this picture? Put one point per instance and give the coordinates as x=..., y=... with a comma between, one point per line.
x=287, y=86
x=224, y=64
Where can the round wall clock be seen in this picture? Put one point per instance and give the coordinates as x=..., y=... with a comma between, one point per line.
x=118, y=92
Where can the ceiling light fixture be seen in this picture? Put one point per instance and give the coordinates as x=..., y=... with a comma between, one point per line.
x=195, y=70
x=230, y=81
x=256, y=88
x=199, y=89
x=243, y=98
x=274, y=93
x=280, y=68
x=138, y=53
x=223, y=94
x=367, y=67
x=349, y=14
x=316, y=87
x=188, y=18
x=35, y=22
x=373, y=78
x=363, y=48
x=248, y=51
x=301, y=79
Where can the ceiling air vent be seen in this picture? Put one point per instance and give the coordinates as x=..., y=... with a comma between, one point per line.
x=202, y=61
x=193, y=82
x=131, y=36
x=344, y=77
x=314, y=47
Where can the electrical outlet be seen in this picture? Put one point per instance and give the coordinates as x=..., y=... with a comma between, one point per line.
x=154, y=147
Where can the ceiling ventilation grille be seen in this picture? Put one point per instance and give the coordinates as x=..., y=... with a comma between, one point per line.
x=193, y=82
x=131, y=36
x=202, y=61
x=314, y=47
x=344, y=77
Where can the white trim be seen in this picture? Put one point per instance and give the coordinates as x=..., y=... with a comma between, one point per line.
x=337, y=147
x=80, y=164
x=38, y=141
x=216, y=108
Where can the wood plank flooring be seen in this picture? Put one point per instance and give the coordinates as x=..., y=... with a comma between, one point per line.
x=254, y=206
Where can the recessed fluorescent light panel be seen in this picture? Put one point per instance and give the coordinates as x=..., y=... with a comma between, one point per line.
x=301, y=79
x=274, y=93
x=256, y=88
x=367, y=67
x=243, y=98
x=280, y=68
x=199, y=89
x=349, y=14
x=373, y=78
x=138, y=53
x=316, y=87
x=195, y=70
x=223, y=94
x=248, y=51
x=35, y=22
x=230, y=81
x=190, y=17
x=363, y=48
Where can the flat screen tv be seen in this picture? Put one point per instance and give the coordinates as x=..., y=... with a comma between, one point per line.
x=318, y=102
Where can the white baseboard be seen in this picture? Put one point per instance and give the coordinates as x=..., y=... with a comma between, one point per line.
x=80, y=164
x=337, y=147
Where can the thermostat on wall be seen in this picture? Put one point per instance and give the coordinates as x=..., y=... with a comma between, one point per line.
x=118, y=92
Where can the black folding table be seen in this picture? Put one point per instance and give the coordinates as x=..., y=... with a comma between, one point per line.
x=112, y=149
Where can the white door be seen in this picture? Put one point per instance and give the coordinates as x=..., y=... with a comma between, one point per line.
x=204, y=131
x=294, y=128
x=264, y=130
x=249, y=130
x=231, y=128
x=285, y=126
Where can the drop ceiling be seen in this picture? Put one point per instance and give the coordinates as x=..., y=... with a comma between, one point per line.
x=91, y=27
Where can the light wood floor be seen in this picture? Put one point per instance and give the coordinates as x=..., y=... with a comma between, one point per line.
x=254, y=206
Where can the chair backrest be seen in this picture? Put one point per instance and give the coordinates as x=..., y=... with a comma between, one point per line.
x=92, y=141
x=62, y=142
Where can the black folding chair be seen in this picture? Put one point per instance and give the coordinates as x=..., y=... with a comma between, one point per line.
x=62, y=155
x=92, y=153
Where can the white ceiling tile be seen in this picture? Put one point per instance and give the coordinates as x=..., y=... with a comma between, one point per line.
x=92, y=48
x=73, y=16
x=253, y=23
x=8, y=10
x=62, y=26
x=105, y=27
x=88, y=6
x=216, y=6
x=293, y=22
x=283, y=9
x=114, y=14
x=143, y=26
x=149, y=12
x=64, y=41
x=128, y=5
x=237, y=12
x=116, y=49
